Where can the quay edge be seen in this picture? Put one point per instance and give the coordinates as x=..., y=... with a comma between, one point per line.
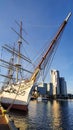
x=9, y=123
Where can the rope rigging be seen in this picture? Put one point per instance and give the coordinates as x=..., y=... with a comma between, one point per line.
x=43, y=64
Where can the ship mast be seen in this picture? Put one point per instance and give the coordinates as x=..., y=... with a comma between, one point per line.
x=55, y=39
x=20, y=42
x=18, y=65
x=50, y=49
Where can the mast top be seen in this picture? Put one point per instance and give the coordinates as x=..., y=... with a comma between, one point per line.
x=68, y=16
x=20, y=36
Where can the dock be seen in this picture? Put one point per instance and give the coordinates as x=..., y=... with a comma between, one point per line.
x=5, y=122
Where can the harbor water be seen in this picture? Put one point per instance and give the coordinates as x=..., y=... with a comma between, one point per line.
x=45, y=115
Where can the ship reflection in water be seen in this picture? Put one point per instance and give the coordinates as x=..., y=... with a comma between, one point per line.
x=50, y=115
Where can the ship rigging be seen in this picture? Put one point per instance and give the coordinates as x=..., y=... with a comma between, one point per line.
x=16, y=93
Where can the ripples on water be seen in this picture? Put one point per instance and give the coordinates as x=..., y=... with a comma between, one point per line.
x=50, y=115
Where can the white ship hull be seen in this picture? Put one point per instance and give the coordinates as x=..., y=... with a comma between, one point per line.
x=17, y=96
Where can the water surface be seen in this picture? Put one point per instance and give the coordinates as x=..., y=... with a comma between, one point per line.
x=50, y=115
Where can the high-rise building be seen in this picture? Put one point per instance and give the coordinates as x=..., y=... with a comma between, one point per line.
x=63, y=87
x=57, y=86
x=42, y=88
x=50, y=89
x=55, y=82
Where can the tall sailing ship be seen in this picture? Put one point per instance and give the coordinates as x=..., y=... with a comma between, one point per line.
x=15, y=92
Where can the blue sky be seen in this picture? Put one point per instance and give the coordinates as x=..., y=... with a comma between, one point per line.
x=41, y=18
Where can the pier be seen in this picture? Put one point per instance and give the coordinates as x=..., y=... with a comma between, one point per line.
x=5, y=122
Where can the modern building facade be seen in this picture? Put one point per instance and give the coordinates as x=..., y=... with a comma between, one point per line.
x=42, y=88
x=50, y=89
x=63, y=86
x=55, y=82
x=57, y=86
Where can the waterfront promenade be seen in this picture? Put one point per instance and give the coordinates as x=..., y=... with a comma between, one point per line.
x=5, y=122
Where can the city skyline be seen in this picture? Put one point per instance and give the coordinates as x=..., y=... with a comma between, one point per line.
x=41, y=20
x=56, y=87
x=58, y=83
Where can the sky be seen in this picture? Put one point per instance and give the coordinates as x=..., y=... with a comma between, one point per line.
x=41, y=18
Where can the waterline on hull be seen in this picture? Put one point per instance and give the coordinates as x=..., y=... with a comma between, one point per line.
x=16, y=106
